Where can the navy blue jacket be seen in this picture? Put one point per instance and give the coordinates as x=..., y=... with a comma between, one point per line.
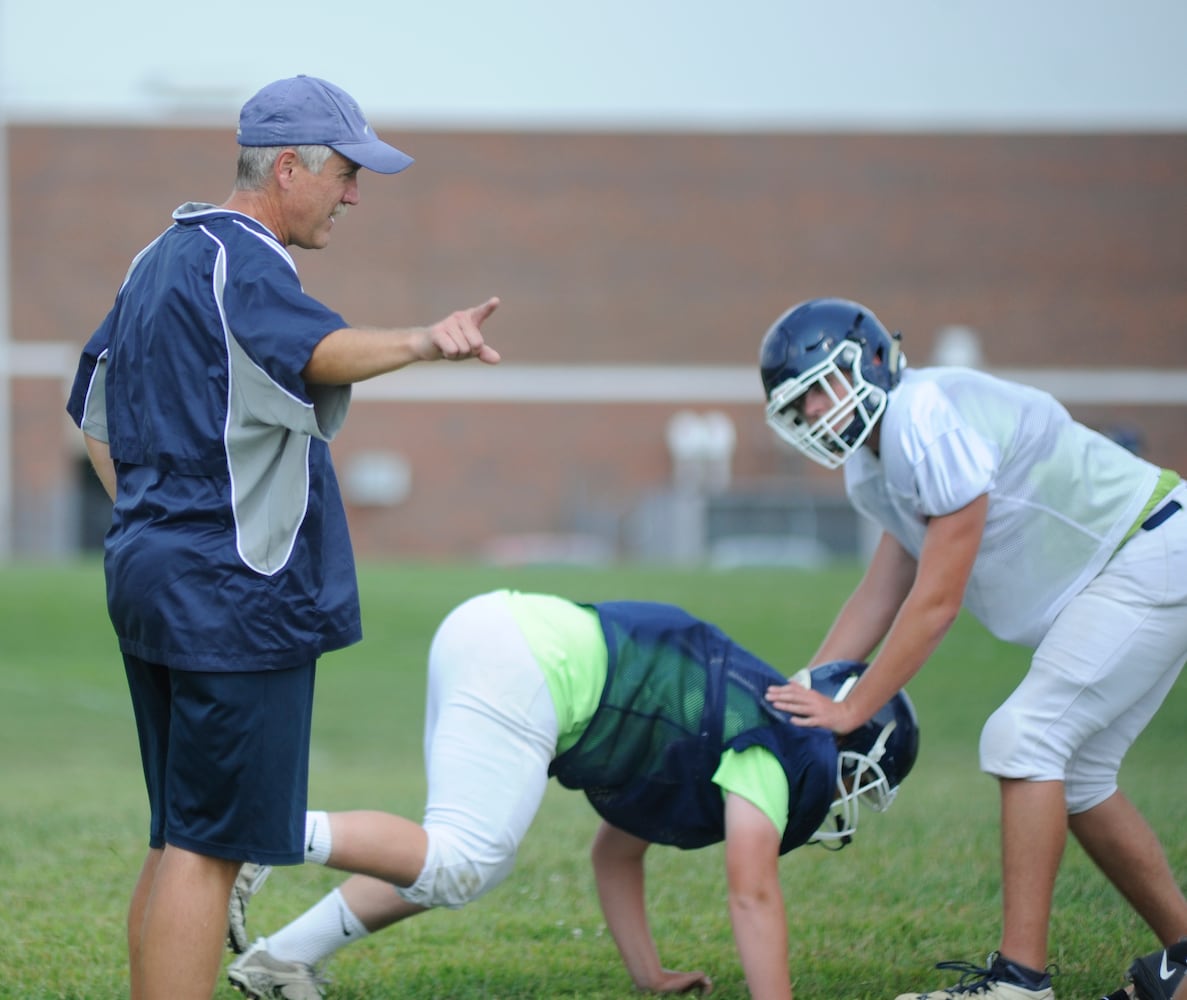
x=228, y=548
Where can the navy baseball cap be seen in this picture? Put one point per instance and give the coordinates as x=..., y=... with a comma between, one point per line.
x=306, y=111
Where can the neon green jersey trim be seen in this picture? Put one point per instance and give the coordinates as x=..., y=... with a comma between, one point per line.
x=567, y=642
x=1168, y=479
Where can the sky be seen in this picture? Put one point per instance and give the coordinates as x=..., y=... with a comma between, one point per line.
x=620, y=64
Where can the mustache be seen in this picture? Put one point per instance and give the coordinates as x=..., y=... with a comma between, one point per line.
x=339, y=210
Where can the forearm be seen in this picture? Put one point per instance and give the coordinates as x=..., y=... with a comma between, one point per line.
x=867, y=616
x=618, y=871
x=760, y=932
x=932, y=594
x=854, y=634
x=620, y=881
x=919, y=628
x=355, y=354
x=620, y=890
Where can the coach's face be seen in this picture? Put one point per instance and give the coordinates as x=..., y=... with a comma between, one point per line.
x=314, y=201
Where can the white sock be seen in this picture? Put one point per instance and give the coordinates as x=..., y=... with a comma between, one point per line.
x=317, y=837
x=318, y=932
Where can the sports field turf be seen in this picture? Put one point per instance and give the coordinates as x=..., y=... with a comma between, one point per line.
x=917, y=886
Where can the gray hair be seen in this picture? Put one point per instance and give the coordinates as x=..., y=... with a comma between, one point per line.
x=255, y=163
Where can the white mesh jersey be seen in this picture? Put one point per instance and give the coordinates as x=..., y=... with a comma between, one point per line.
x=1061, y=496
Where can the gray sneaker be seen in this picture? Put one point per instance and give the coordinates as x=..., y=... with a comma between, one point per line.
x=262, y=977
x=247, y=883
x=1003, y=980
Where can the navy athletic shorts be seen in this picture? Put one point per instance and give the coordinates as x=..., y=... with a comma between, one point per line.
x=226, y=758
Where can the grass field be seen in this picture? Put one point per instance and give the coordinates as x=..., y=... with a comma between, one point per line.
x=918, y=885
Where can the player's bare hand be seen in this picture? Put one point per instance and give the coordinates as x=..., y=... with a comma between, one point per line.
x=810, y=708
x=671, y=981
x=459, y=336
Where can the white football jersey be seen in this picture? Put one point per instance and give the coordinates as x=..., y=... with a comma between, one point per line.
x=1061, y=496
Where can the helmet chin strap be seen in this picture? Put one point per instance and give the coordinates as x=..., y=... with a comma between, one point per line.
x=845, y=688
x=877, y=751
x=842, y=839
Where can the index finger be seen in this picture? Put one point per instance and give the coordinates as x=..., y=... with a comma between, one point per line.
x=479, y=313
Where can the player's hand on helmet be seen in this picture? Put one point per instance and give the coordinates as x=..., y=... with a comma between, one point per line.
x=811, y=708
x=671, y=981
x=459, y=336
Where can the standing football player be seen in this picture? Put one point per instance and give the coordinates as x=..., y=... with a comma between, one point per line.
x=990, y=496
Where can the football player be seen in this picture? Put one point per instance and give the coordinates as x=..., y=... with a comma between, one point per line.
x=659, y=717
x=991, y=496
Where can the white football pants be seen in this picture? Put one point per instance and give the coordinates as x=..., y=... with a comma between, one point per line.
x=490, y=734
x=1100, y=673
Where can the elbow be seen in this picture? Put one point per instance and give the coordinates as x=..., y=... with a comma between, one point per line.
x=946, y=614
x=751, y=900
x=937, y=612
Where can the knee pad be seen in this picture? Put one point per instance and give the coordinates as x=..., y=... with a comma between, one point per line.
x=1088, y=784
x=453, y=876
x=1010, y=750
x=1085, y=795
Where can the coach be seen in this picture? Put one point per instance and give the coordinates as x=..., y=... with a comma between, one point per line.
x=207, y=399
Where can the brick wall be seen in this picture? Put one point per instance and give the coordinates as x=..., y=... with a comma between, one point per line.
x=1065, y=250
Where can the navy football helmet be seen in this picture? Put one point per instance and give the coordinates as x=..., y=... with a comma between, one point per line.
x=840, y=348
x=872, y=760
